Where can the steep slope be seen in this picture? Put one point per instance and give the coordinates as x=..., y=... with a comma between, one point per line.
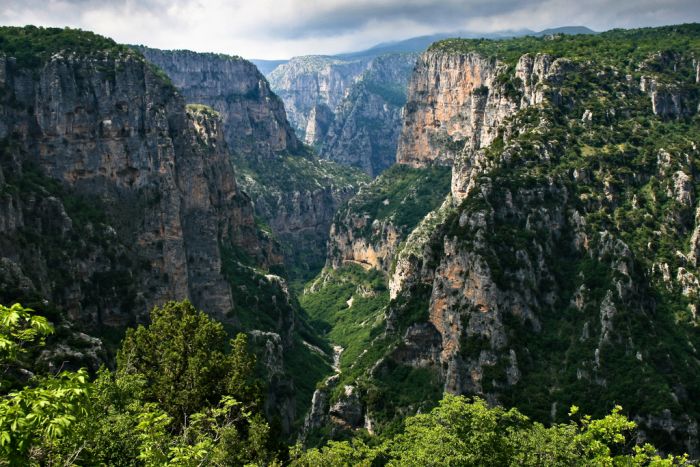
x=255, y=123
x=365, y=129
x=293, y=192
x=561, y=269
x=311, y=85
x=108, y=128
x=116, y=197
x=349, y=108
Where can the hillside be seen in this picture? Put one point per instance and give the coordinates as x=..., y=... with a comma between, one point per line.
x=295, y=194
x=561, y=268
x=117, y=197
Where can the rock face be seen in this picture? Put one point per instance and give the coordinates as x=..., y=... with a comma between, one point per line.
x=370, y=227
x=254, y=119
x=113, y=132
x=293, y=193
x=320, y=119
x=116, y=196
x=367, y=123
x=375, y=251
x=306, y=82
x=528, y=283
x=447, y=96
x=458, y=101
x=349, y=108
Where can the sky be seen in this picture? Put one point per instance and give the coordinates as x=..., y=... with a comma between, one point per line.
x=277, y=29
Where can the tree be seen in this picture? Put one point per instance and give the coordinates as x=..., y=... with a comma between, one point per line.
x=18, y=329
x=463, y=432
x=34, y=419
x=457, y=432
x=182, y=359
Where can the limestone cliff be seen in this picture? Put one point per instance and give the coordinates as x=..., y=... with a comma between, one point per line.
x=561, y=268
x=254, y=118
x=116, y=196
x=458, y=101
x=117, y=136
x=294, y=193
x=305, y=83
x=365, y=130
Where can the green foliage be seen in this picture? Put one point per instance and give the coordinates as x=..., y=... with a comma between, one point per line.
x=183, y=358
x=618, y=46
x=18, y=329
x=398, y=387
x=32, y=45
x=181, y=396
x=392, y=93
x=34, y=419
x=261, y=303
x=521, y=224
x=401, y=193
x=203, y=109
x=460, y=432
x=350, y=326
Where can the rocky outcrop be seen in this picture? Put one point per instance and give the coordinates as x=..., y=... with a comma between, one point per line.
x=457, y=102
x=667, y=100
x=367, y=123
x=369, y=229
x=292, y=192
x=112, y=131
x=350, y=245
x=320, y=119
x=447, y=98
x=306, y=82
x=670, y=98
x=254, y=119
x=346, y=412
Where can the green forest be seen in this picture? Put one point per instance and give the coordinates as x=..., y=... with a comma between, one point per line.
x=183, y=394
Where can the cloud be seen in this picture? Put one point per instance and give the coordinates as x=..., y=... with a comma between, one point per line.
x=282, y=28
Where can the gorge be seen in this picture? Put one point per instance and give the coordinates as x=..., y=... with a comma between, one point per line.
x=511, y=219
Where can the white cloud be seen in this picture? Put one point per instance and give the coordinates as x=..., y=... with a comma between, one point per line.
x=283, y=28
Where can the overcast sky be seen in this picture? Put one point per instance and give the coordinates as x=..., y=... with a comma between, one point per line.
x=284, y=28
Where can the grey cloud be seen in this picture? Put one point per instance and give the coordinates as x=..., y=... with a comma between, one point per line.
x=281, y=28
x=349, y=16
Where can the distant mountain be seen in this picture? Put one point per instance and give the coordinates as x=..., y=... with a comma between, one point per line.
x=420, y=43
x=571, y=30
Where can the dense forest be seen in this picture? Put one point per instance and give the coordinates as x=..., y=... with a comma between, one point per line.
x=184, y=394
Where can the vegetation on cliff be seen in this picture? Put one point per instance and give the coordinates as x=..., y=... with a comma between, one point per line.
x=464, y=432
x=180, y=396
x=31, y=46
x=568, y=273
x=618, y=47
x=299, y=194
